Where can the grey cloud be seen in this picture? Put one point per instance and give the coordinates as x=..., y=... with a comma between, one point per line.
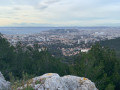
x=52, y=1
x=16, y=8
x=42, y=7
x=46, y=4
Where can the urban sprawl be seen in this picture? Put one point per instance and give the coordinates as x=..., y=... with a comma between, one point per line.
x=76, y=39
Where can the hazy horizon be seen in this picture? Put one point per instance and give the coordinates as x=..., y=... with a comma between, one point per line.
x=32, y=30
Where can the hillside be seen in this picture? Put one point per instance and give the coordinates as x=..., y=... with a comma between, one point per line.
x=19, y=64
x=113, y=44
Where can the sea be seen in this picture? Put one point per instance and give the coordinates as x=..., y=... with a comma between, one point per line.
x=32, y=30
x=28, y=30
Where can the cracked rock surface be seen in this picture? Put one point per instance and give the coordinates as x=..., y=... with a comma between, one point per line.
x=52, y=81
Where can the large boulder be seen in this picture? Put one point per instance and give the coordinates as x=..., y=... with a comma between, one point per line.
x=4, y=85
x=52, y=81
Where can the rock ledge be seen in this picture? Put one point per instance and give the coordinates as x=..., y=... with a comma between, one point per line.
x=52, y=81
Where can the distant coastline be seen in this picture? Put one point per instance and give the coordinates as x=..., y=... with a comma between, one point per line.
x=31, y=30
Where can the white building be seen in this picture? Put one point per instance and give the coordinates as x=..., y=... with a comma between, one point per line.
x=85, y=50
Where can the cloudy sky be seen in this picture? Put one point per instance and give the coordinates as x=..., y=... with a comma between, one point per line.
x=59, y=12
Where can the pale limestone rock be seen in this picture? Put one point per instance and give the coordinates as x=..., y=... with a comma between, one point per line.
x=4, y=85
x=52, y=81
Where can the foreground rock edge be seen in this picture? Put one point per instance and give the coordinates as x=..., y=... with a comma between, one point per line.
x=4, y=85
x=52, y=81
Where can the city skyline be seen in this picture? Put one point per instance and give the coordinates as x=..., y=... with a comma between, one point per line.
x=59, y=13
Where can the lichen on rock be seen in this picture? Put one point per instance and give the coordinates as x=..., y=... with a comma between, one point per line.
x=52, y=81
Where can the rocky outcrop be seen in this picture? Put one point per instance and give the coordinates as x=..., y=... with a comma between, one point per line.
x=52, y=81
x=4, y=85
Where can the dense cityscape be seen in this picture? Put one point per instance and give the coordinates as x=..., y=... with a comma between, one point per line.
x=76, y=40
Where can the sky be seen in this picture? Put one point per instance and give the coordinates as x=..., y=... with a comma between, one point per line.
x=59, y=13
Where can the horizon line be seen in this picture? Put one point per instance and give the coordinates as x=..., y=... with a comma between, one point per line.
x=52, y=26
